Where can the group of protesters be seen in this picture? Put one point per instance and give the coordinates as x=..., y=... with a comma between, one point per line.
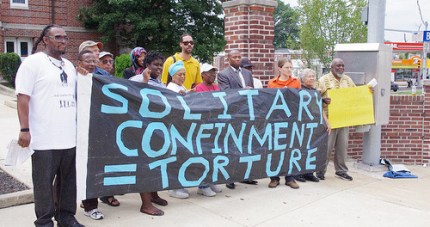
x=46, y=79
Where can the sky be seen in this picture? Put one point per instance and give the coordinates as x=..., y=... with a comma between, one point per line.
x=400, y=15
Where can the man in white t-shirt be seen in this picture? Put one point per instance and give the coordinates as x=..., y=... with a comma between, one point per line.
x=45, y=89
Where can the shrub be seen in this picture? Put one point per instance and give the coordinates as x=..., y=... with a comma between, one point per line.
x=9, y=64
x=121, y=62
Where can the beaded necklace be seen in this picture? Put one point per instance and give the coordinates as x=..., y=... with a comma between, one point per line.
x=63, y=75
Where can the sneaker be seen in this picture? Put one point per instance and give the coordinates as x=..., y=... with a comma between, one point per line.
x=292, y=184
x=273, y=183
x=94, y=214
x=179, y=193
x=206, y=192
x=344, y=176
x=67, y=221
x=215, y=188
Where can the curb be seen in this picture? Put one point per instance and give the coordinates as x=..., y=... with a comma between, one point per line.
x=16, y=198
x=7, y=91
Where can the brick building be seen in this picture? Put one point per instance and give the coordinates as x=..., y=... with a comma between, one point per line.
x=21, y=22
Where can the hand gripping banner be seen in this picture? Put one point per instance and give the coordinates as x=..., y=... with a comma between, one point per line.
x=133, y=137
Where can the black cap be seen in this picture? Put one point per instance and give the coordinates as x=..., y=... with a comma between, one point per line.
x=245, y=63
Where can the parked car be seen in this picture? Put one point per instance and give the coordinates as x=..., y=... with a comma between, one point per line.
x=394, y=86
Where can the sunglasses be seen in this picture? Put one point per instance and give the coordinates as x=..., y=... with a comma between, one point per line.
x=59, y=38
x=107, y=61
x=188, y=42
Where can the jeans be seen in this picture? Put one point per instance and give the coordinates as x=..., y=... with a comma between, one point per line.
x=54, y=185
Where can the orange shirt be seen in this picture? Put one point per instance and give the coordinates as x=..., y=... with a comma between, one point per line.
x=291, y=83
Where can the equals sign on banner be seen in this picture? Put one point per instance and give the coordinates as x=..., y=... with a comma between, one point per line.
x=120, y=180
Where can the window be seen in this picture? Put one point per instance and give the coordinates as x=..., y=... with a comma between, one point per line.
x=21, y=46
x=19, y=4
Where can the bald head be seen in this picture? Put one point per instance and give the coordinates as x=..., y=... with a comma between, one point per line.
x=337, y=67
x=234, y=58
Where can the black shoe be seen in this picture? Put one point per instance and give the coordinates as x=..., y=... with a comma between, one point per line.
x=230, y=185
x=249, y=182
x=321, y=176
x=311, y=177
x=70, y=221
x=344, y=176
x=300, y=178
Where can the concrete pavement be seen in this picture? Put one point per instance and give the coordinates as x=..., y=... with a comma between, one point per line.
x=368, y=200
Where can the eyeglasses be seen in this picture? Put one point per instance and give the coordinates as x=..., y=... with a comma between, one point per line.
x=59, y=38
x=107, y=61
x=91, y=61
x=188, y=42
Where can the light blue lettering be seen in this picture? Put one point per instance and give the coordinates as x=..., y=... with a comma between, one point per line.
x=106, y=90
x=310, y=126
x=187, y=112
x=144, y=107
x=310, y=159
x=221, y=96
x=279, y=136
x=283, y=106
x=147, y=138
x=217, y=149
x=294, y=160
x=249, y=160
x=201, y=135
x=220, y=162
x=163, y=169
x=237, y=139
x=305, y=100
x=127, y=124
x=183, y=169
x=269, y=171
x=249, y=93
x=297, y=133
x=267, y=137
x=176, y=136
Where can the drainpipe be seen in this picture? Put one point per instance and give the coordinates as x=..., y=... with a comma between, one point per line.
x=52, y=11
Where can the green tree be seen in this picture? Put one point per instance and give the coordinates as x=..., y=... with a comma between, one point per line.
x=286, y=26
x=158, y=24
x=326, y=23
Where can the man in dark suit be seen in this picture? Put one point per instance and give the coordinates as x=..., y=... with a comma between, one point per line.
x=235, y=77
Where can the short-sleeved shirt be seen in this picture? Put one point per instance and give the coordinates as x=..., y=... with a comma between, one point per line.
x=51, y=85
x=205, y=88
x=291, y=83
x=329, y=81
x=192, y=71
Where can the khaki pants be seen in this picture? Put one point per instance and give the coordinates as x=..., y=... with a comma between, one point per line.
x=338, y=139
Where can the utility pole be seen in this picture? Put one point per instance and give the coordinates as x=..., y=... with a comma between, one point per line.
x=375, y=34
x=425, y=45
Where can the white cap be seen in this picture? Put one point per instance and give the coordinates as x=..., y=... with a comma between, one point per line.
x=104, y=53
x=206, y=67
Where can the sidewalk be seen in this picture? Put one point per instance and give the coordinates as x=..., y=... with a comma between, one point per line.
x=368, y=200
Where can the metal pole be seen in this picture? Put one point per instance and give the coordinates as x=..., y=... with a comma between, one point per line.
x=424, y=58
x=375, y=34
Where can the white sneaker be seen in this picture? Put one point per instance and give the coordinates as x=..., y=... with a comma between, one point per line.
x=206, y=192
x=94, y=214
x=179, y=193
x=215, y=188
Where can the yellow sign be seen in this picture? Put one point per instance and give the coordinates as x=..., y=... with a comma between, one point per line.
x=350, y=107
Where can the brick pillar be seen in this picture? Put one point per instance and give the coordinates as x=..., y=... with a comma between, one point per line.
x=249, y=27
x=426, y=121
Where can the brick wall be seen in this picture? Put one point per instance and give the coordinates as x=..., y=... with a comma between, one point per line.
x=249, y=27
x=406, y=139
x=30, y=22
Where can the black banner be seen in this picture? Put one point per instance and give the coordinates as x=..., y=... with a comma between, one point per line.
x=142, y=138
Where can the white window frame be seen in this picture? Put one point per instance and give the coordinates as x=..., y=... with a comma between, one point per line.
x=14, y=5
x=17, y=44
